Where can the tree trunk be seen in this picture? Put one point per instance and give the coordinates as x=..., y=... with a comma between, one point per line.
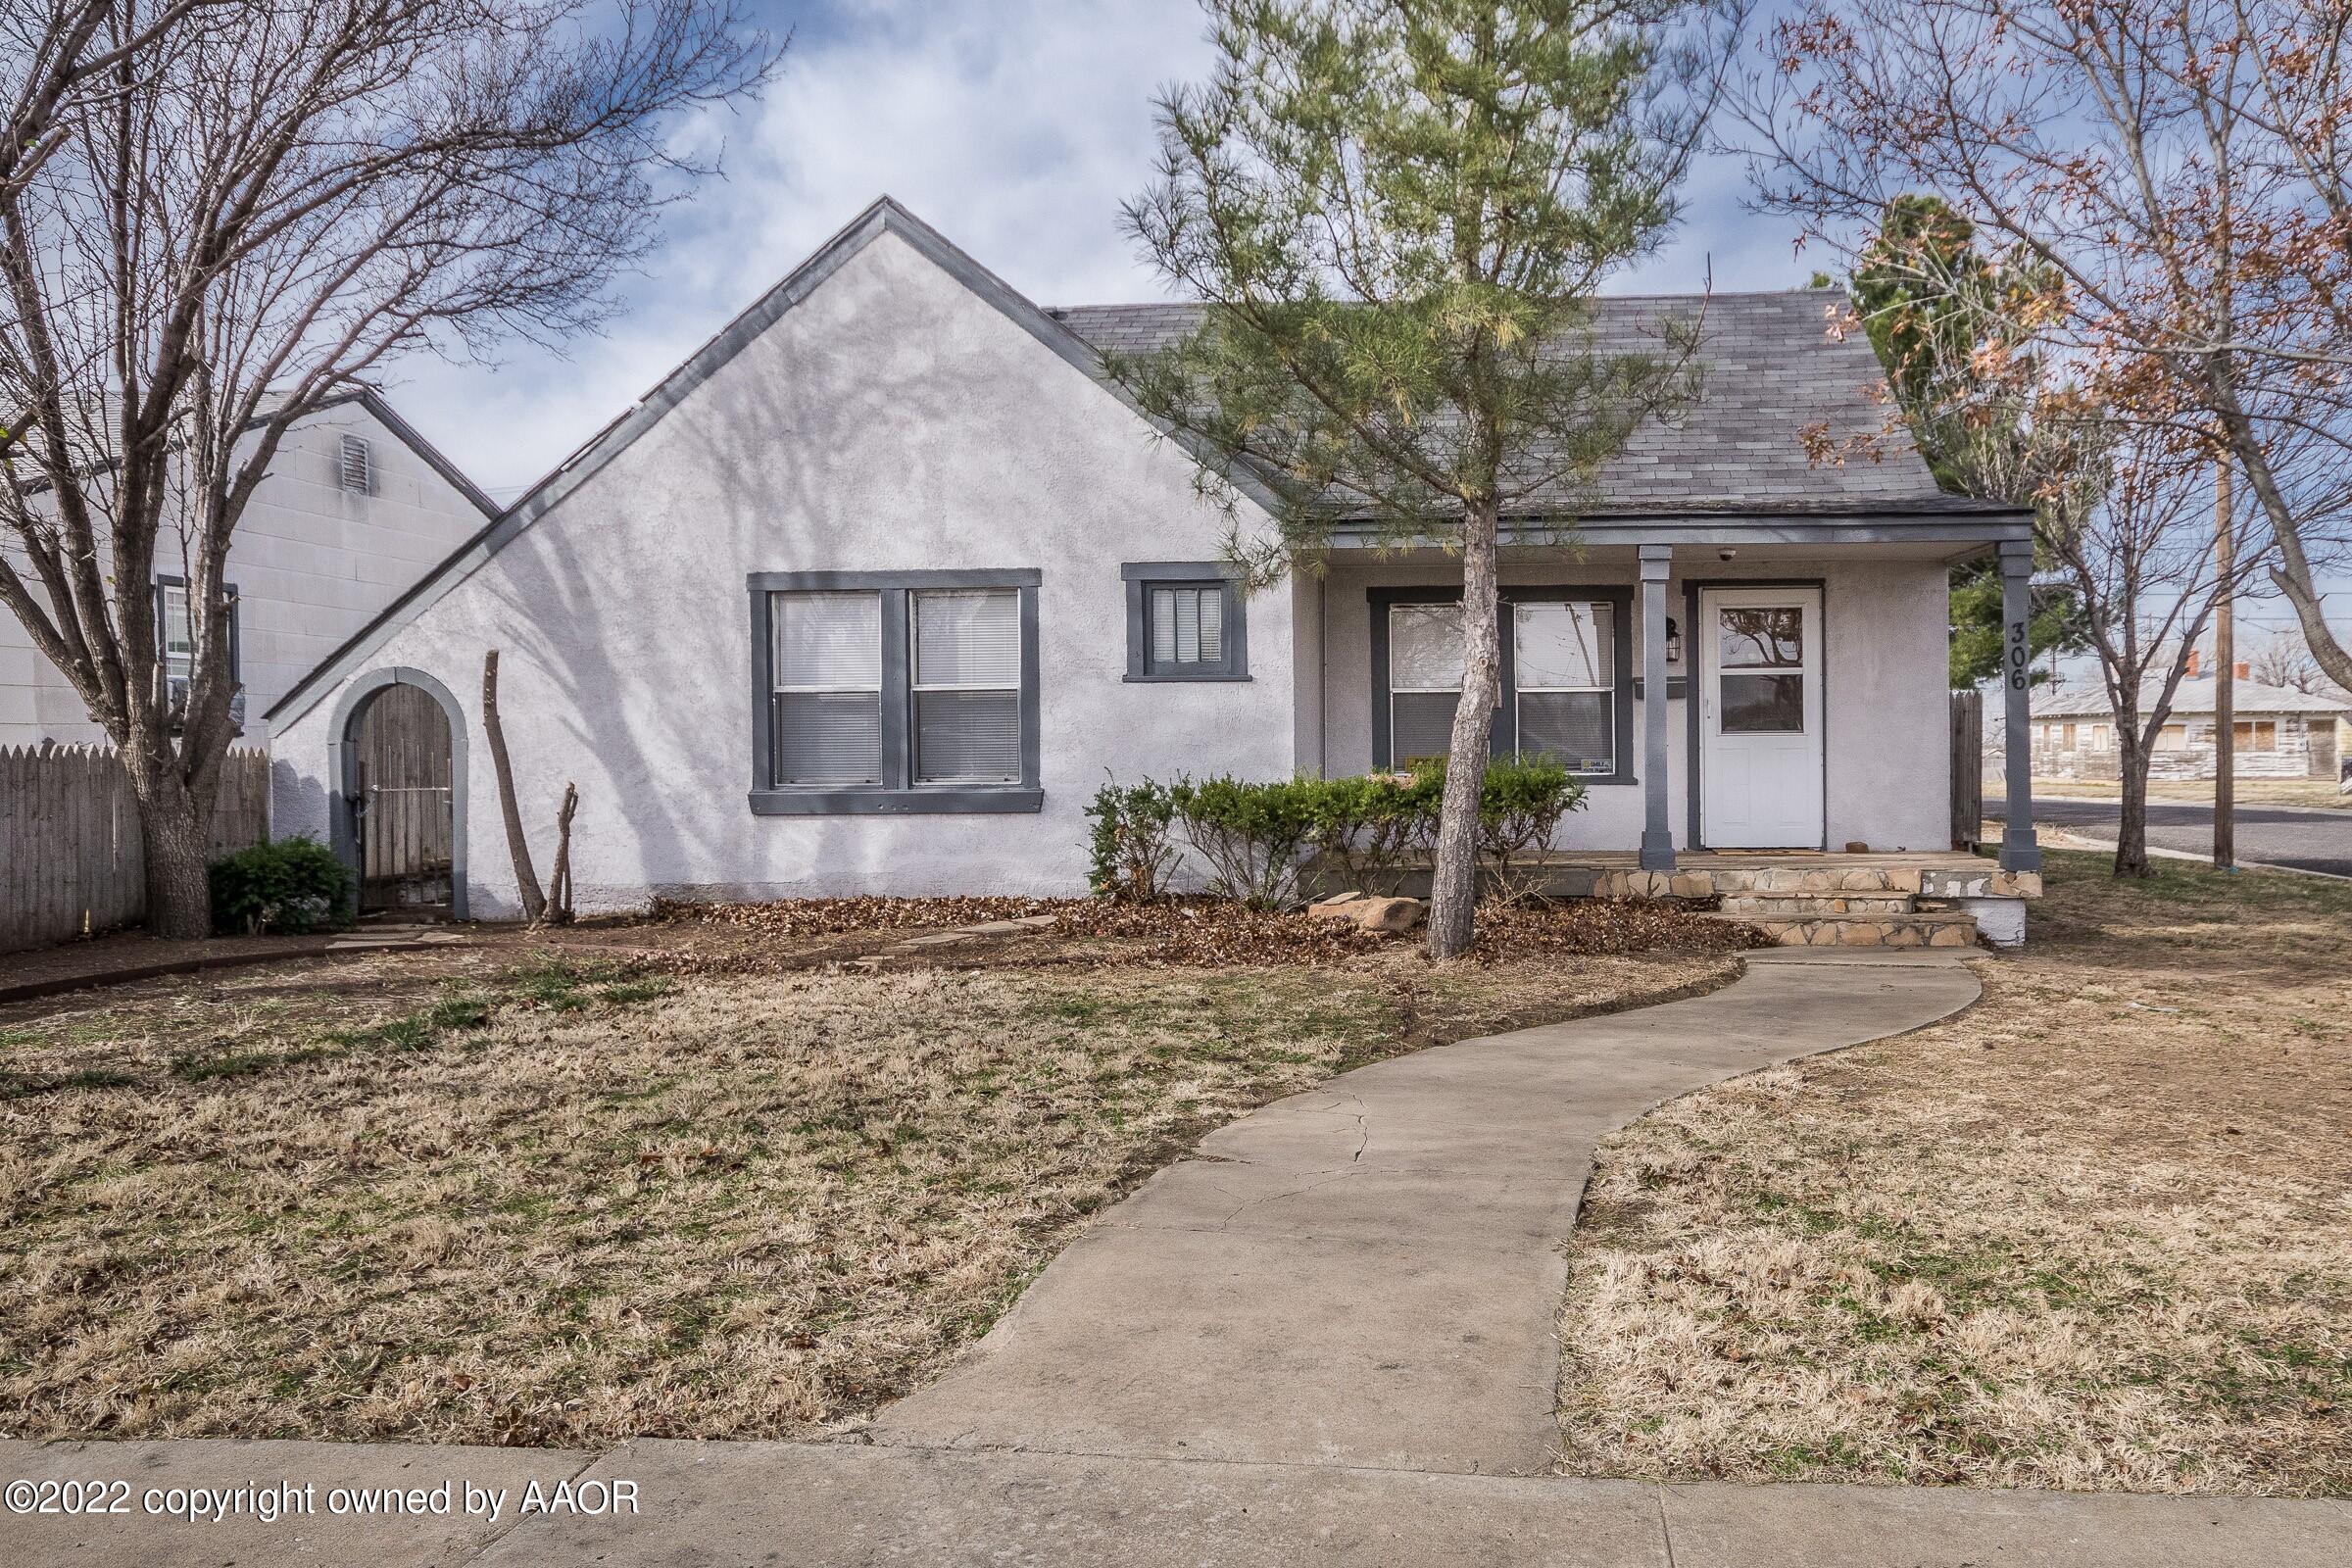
x=2225, y=676
x=2131, y=824
x=175, y=833
x=1453, y=880
x=519, y=847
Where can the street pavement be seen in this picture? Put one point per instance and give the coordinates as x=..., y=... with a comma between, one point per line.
x=2302, y=837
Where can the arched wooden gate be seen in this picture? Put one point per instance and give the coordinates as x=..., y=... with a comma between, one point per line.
x=401, y=804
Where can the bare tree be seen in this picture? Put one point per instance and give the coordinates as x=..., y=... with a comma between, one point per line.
x=215, y=215
x=2175, y=169
x=2284, y=660
x=2130, y=523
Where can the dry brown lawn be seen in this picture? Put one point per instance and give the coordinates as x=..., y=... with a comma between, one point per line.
x=2095, y=1232
x=485, y=1196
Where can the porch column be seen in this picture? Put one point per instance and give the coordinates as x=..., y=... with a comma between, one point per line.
x=2018, y=850
x=1657, y=836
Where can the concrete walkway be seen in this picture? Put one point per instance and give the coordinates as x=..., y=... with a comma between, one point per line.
x=1367, y=1274
x=1328, y=1338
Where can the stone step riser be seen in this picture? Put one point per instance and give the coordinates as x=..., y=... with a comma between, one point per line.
x=1796, y=905
x=1865, y=930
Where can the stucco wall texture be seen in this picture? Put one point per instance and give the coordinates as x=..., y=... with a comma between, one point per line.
x=895, y=420
x=892, y=421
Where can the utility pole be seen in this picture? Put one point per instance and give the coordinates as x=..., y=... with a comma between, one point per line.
x=2225, y=676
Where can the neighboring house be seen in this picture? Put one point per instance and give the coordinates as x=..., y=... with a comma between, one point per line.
x=2279, y=732
x=357, y=507
x=876, y=590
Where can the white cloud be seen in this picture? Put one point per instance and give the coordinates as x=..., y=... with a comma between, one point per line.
x=1016, y=127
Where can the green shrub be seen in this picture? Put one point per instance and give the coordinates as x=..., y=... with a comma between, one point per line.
x=1520, y=805
x=290, y=886
x=1254, y=836
x=1134, y=843
x=1367, y=825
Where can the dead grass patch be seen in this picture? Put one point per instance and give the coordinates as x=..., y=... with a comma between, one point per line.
x=570, y=1198
x=2095, y=1232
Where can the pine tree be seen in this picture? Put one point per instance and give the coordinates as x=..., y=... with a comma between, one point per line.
x=1397, y=213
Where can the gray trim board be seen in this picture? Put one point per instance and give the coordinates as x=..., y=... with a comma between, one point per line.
x=1657, y=831
x=1138, y=576
x=899, y=795
x=1973, y=529
x=2021, y=845
x=344, y=769
x=1504, y=740
x=885, y=216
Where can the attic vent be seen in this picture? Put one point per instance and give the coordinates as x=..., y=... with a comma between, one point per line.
x=358, y=466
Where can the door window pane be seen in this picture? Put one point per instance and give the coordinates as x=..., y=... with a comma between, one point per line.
x=1755, y=705
x=1760, y=637
x=1562, y=646
x=967, y=686
x=1425, y=648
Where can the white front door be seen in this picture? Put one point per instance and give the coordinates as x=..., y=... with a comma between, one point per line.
x=1759, y=719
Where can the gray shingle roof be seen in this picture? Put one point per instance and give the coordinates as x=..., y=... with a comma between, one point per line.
x=1772, y=364
x=2089, y=699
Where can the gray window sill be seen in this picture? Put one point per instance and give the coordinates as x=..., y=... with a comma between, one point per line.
x=941, y=801
x=1173, y=679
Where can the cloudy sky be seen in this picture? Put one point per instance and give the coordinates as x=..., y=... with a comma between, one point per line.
x=1014, y=126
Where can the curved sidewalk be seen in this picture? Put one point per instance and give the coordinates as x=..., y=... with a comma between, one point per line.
x=1368, y=1274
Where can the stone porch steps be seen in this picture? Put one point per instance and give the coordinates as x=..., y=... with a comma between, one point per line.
x=1914, y=928
x=1791, y=905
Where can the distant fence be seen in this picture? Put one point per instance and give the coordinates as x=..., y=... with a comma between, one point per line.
x=71, y=859
x=1967, y=768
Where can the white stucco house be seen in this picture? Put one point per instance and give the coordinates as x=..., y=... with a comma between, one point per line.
x=874, y=591
x=357, y=505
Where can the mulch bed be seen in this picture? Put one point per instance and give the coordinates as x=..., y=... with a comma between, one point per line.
x=1216, y=932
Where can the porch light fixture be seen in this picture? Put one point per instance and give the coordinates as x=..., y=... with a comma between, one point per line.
x=1674, y=641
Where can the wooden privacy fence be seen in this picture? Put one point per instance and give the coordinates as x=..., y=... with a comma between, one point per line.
x=71, y=859
x=1967, y=768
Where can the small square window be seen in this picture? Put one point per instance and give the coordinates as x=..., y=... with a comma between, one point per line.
x=1184, y=622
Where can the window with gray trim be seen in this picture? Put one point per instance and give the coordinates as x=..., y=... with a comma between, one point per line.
x=1186, y=622
x=895, y=692
x=1565, y=676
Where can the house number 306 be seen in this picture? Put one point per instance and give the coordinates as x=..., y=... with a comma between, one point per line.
x=2019, y=656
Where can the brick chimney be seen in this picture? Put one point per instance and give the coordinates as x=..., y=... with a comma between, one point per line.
x=2196, y=658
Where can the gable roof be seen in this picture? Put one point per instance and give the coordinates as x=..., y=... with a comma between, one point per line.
x=374, y=402
x=369, y=398
x=2089, y=700
x=1060, y=332
x=883, y=215
x=1773, y=364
